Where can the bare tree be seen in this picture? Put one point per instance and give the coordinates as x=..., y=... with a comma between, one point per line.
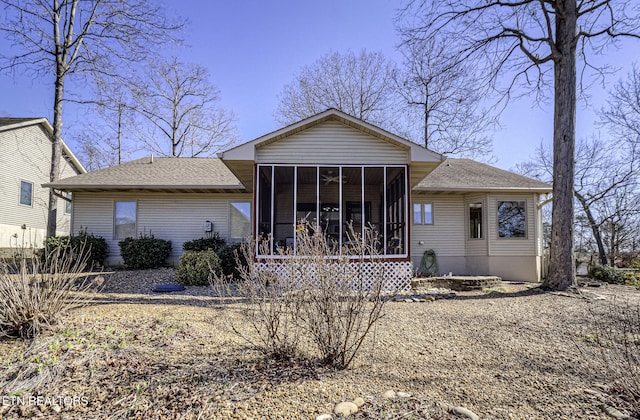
x=620, y=230
x=74, y=37
x=605, y=181
x=533, y=42
x=622, y=117
x=357, y=84
x=109, y=140
x=180, y=104
x=441, y=103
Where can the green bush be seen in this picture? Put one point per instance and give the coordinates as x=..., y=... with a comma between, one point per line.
x=144, y=252
x=202, y=244
x=80, y=245
x=228, y=259
x=196, y=267
x=607, y=274
x=632, y=278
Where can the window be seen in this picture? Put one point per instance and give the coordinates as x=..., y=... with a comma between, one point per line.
x=26, y=193
x=511, y=219
x=67, y=204
x=475, y=220
x=239, y=220
x=125, y=219
x=422, y=214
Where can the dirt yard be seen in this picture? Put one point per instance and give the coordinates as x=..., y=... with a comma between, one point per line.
x=507, y=353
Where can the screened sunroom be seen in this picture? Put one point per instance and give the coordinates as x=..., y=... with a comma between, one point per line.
x=340, y=201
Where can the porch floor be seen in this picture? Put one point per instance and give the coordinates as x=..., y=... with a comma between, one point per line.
x=458, y=283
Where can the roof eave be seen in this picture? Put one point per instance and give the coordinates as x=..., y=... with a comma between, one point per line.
x=102, y=187
x=25, y=123
x=484, y=189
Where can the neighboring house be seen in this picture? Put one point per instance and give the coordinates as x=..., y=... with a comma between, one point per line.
x=25, y=163
x=331, y=169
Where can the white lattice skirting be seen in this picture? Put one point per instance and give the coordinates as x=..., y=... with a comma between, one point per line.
x=395, y=275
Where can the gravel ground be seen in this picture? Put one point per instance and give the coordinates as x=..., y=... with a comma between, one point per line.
x=507, y=353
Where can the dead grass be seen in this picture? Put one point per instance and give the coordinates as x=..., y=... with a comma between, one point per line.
x=502, y=355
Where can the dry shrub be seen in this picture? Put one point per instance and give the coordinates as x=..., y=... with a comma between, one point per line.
x=616, y=335
x=35, y=294
x=270, y=309
x=331, y=296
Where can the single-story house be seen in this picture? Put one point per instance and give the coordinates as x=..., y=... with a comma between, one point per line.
x=333, y=170
x=25, y=162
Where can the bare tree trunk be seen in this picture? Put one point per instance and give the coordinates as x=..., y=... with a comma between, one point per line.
x=595, y=229
x=120, y=111
x=426, y=118
x=562, y=268
x=612, y=247
x=56, y=145
x=56, y=151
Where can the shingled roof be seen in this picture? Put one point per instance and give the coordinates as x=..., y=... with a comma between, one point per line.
x=468, y=175
x=211, y=175
x=157, y=174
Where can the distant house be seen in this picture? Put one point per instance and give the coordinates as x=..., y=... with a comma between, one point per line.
x=25, y=156
x=333, y=170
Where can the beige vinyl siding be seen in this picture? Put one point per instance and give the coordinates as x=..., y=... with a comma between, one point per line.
x=446, y=236
x=94, y=212
x=332, y=142
x=24, y=156
x=476, y=247
x=512, y=246
x=176, y=217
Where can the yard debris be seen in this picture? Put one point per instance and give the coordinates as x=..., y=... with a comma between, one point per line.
x=138, y=355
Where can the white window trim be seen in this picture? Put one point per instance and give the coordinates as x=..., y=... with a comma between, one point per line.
x=20, y=193
x=114, y=218
x=483, y=224
x=70, y=203
x=230, y=203
x=422, y=213
x=526, y=220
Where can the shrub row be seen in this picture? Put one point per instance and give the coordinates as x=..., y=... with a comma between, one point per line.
x=201, y=256
x=615, y=275
x=607, y=274
x=84, y=244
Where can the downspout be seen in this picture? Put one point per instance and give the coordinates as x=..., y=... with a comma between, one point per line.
x=548, y=199
x=58, y=194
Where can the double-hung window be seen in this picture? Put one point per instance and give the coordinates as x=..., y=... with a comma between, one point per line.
x=239, y=220
x=422, y=214
x=67, y=204
x=475, y=221
x=124, y=219
x=26, y=193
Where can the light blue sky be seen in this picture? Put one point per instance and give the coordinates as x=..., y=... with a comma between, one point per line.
x=253, y=48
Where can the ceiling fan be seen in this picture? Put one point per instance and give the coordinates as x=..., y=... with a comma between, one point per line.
x=330, y=178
